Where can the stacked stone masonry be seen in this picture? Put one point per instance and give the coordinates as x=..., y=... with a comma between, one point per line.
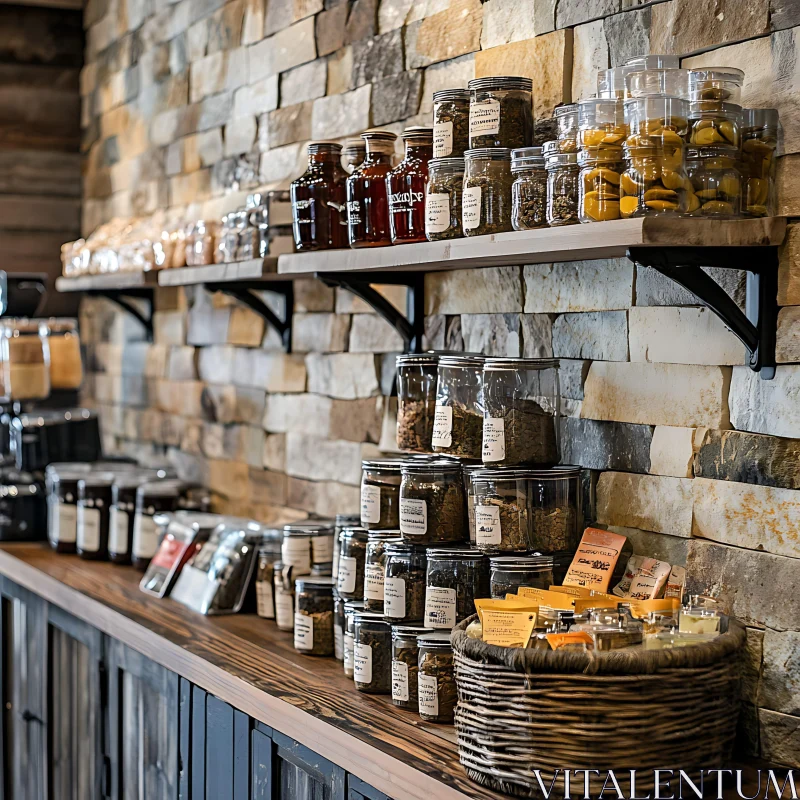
x=190, y=105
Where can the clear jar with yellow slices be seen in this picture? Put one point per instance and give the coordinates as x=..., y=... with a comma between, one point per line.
x=716, y=181
x=601, y=122
x=713, y=123
x=759, y=146
x=599, y=185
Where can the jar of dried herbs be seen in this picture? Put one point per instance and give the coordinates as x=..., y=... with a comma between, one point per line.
x=380, y=494
x=404, y=582
x=313, y=618
x=458, y=421
x=562, y=186
x=338, y=625
x=351, y=608
x=306, y=544
x=759, y=145
x=450, y=122
x=486, y=196
x=436, y=679
x=509, y=573
x=374, y=568
x=405, y=656
x=284, y=596
x=521, y=402
x=432, y=503
x=342, y=522
x=269, y=552
x=372, y=653
x=455, y=579
x=353, y=555
x=555, y=509
x=529, y=190
x=416, y=401
x=567, y=127
x=502, y=510
x=598, y=190
x=501, y=112
x=467, y=470
x=443, y=198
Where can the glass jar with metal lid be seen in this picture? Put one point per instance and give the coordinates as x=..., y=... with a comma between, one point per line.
x=375, y=568
x=372, y=653
x=306, y=544
x=94, y=502
x=601, y=122
x=716, y=181
x=26, y=357
x=61, y=483
x=353, y=154
x=529, y=190
x=455, y=578
x=458, y=420
x=151, y=499
x=716, y=85
x=501, y=112
x=450, y=123
x=351, y=608
x=416, y=401
x=443, y=207
x=380, y=494
x=598, y=189
x=269, y=553
x=404, y=582
x=338, y=625
x=436, y=679
x=467, y=471
x=352, y=558
x=486, y=196
x=521, y=400
x=313, y=617
x=509, y=573
x=405, y=652
x=759, y=146
x=567, y=128
x=123, y=511
x=66, y=367
x=283, y=596
x=432, y=503
x=562, y=185
x=657, y=82
x=342, y=522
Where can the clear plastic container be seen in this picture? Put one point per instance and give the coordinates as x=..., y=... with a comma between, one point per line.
x=718, y=85
x=313, y=617
x=567, y=128
x=653, y=61
x=94, y=502
x=509, y=573
x=759, y=146
x=486, y=196
x=61, y=482
x=443, y=199
x=711, y=123
x=375, y=568
x=601, y=122
x=501, y=112
x=562, y=186
x=529, y=190
x=404, y=582
x=372, y=653
x=611, y=82
x=716, y=181
x=405, y=657
x=351, y=608
x=416, y=401
x=658, y=81
x=654, y=182
x=455, y=578
x=659, y=121
x=66, y=367
x=432, y=503
x=598, y=191
x=352, y=558
x=458, y=422
x=269, y=553
x=380, y=494
x=450, y=122
x=436, y=679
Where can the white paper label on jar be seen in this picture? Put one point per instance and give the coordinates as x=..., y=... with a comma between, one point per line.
x=428, y=695
x=442, y=139
x=265, y=604
x=440, y=607
x=67, y=522
x=362, y=663
x=484, y=118
x=373, y=582
x=193, y=589
x=394, y=598
x=437, y=212
x=346, y=579
x=400, y=681
x=303, y=632
x=296, y=552
x=413, y=516
x=494, y=439
x=442, y=427
x=471, y=208
x=284, y=610
x=353, y=212
x=370, y=504
x=348, y=651
x=117, y=531
x=145, y=536
x=322, y=549
x=88, y=520
x=487, y=525
x=338, y=643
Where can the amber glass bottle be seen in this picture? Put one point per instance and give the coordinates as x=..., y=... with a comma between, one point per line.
x=367, y=201
x=406, y=187
x=319, y=216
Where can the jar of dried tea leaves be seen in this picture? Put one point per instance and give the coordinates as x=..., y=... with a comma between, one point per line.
x=351, y=608
x=458, y=422
x=269, y=552
x=486, y=197
x=380, y=494
x=450, y=123
x=338, y=625
x=404, y=582
x=529, y=190
x=416, y=401
x=501, y=112
x=456, y=577
x=405, y=656
x=375, y=567
x=467, y=471
x=502, y=510
x=341, y=523
x=372, y=653
x=562, y=185
x=555, y=509
x=443, y=198
x=759, y=145
x=521, y=401
x=352, y=557
x=509, y=573
x=436, y=679
x=432, y=503
x=313, y=618
x=306, y=544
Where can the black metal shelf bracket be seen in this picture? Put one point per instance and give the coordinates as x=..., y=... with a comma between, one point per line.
x=123, y=297
x=411, y=327
x=243, y=292
x=756, y=328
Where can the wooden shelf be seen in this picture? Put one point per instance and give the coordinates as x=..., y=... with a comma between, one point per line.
x=115, y=281
x=256, y=269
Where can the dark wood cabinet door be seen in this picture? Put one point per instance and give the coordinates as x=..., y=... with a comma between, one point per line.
x=358, y=790
x=299, y=772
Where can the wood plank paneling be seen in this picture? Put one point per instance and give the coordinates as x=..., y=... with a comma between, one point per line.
x=40, y=172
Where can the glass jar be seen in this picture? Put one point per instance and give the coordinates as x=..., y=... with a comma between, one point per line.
x=26, y=352
x=601, y=122
x=61, y=482
x=562, y=186
x=711, y=123
x=416, y=401
x=405, y=185
x=500, y=112
x=367, y=198
x=341, y=523
x=405, y=652
x=94, y=502
x=611, y=83
x=352, y=558
x=458, y=420
x=374, y=568
x=269, y=553
x=509, y=573
x=123, y=513
x=521, y=402
x=598, y=190
x=354, y=153
x=716, y=182
x=351, y=608
x=529, y=190
x=380, y=494
x=23, y=507
x=151, y=499
x=654, y=182
x=718, y=85
x=319, y=213
x=443, y=199
x=658, y=81
x=759, y=146
x=486, y=198
x=436, y=678
x=306, y=544
x=66, y=367
x=567, y=128
x=338, y=625
x=467, y=471
x=372, y=653
x=432, y=503
x=283, y=596
x=313, y=617
x=654, y=61
x=658, y=121
x=450, y=123
x=455, y=579
x=404, y=582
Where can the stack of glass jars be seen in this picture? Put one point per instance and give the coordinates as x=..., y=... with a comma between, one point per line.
x=562, y=185
x=529, y=190
x=759, y=143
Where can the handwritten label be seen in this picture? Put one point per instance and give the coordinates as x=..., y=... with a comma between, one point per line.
x=373, y=582
x=118, y=522
x=594, y=562
x=508, y=628
x=494, y=439
x=442, y=427
x=428, y=695
x=338, y=643
x=322, y=549
x=264, y=600
x=484, y=118
x=442, y=139
x=67, y=522
x=440, y=607
x=487, y=525
x=88, y=521
x=296, y=552
x=471, y=208
x=362, y=662
x=649, y=579
x=346, y=579
x=284, y=609
x=413, y=516
x=394, y=598
x=437, y=212
x=370, y=504
x=400, y=681
x=303, y=632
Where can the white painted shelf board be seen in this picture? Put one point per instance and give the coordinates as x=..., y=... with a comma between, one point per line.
x=114, y=280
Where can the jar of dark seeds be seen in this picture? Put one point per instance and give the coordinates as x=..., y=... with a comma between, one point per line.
x=509, y=573
x=380, y=494
x=450, y=123
x=443, y=199
x=562, y=186
x=521, y=402
x=404, y=582
x=436, y=679
x=405, y=656
x=353, y=555
x=458, y=422
x=432, y=503
x=501, y=112
x=455, y=578
x=351, y=608
x=486, y=197
x=529, y=190
x=372, y=653
x=416, y=402
x=375, y=566
x=313, y=618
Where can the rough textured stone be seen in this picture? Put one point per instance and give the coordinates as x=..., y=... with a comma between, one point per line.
x=398, y=13
x=606, y=445
x=348, y=303
x=456, y=72
x=320, y=459
x=181, y=364
x=289, y=124
x=453, y=338
x=766, y=406
x=312, y=295
x=572, y=376
x=275, y=372
x=347, y=376
x=783, y=14
x=659, y=504
x=353, y=420
x=341, y=115
x=330, y=29
x=433, y=337
x=286, y=49
x=628, y=35
x=672, y=549
x=658, y=394
x=780, y=738
x=324, y=498
x=280, y=165
x=491, y=334
x=253, y=23
x=370, y=333
x=496, y=290
x=240, y=135
x=537, y=335
x=396, y=98
x=445, y=35
x=574, y=12
x=672, y=451
x=378, y=58
x=362, y=20
x=780, y=689
x=306, y=82
x=258, y=98
x=787, y=345
x=590, y=54
x=215, y=364
x=506, y=21
x=598, y=285
x=544, y=16
x=229, y=404
x=596, y=334
x=653, y=289
x=323, y=333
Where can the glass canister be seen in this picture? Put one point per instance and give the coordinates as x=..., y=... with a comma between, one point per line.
x=319, y=212
x=529, y=190
x=521, y=401
x=611, y=83
x=654, y=182
x=567, y=128
x=352, y=558
x=27, y=355
x=354, y=153
x=598, y=190
x=759, y=146
x=372, y=653
x=436, y=679
x=405, y=185
x=313, y=616
x=467, y=471
x=658, y=121
x=601, y=122
x=380, y=494
x=509, y=573
x=716, y=181
x=338, y=625
x=654, y=61
x=61, y=482
x=405, y=656
x=458, y=420
x=657, y=81
x=432, y=503
x=450, y=123
x=443, y=199
x=66, y=367
x=486, y=197
x=716, y=85
x=123, y=512
x=151, y=499
x=269, y=554
x=351, y=608
x=306, y=544
x=712, y=123
x=416, y=401
x=341, y=523
x=456, y=577
x=562, y=185
x=367, y=197
x=500, y=112
x=283, y=596
x=94, y=502
x=375, y=568
x=404, y=582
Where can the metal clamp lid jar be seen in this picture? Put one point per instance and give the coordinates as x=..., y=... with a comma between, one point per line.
x=432, y=503
x=486, y=196
x=443, y=207
x=562, y=186
x=380, y=494
x=450, y=122
x=416, y=401
x=529, y=190
x=458, y=423
x=501, y=112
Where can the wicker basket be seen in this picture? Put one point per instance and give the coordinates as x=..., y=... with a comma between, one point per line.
x=525, y=710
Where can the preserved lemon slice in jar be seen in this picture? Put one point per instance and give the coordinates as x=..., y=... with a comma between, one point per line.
x=718, y=208
x=628, y=206
x=661, y=205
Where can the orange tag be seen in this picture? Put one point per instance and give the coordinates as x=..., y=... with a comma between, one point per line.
x=573, y=591
x=511, y=603
x=556, y=640
x=556, y=600
x=508, y=628
x=597, y=600
x=595, y=559
x=641, y=608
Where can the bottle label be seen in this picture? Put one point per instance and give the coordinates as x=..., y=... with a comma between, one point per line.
x=338, y=643
x=471, y=208
x=304, y=216
x=440, y=607
x=413, y=517
x=370, y=504
x=400, y=681
x=264, y=602
x=428, y=695
x=494, y=439
x=442, y=427
x=353, y=212
x=118, y=531
x=362, y=663
x=296, y=552
x=442, y=139
x=373, y=582
x=322, y=549
x=88, y=529
x=67, y=522
x=303, y=632
x=437, y=212
x=394, y=598
x=284, y=610
x=348, y=651
x=346, y=579
x=145, y=536
x=403, y=202
x=487, y=525
x=484, y=118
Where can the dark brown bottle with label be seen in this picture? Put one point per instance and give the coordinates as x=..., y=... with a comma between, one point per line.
x=319, y=213
x=367, y=200
x=406, y=187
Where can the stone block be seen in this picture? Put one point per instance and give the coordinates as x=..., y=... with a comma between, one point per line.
x=783, y=14
x=347, y=376
x=282, y=51
x=279, y=166
x=362, y=21
x=597, y=445
x=324, y=498
x=628, y=34
x=340, y=71
x=348, y=303
x=397, y=13
x=185, y=189
x=240, y=135
x=574, y=12
x=658, y=394
x=752, y=666
x=341, y=115
x=321, y=333
x=353, y=420
x=225, y=27
x=572, y=376
x=215, y=364
x=789, y=268
x=279, y=15
x=787, y=344
x=448, y=34
x=169, y=327
x=312, y=295
x=780, y=688
x=589, y=55
x=212, y=112
x=258, y=98
x=253, y=23
x=396, y=98
x=377, y=58
x=207, y=325
x=181, y=364
x=672, y=451
x=654, y=289
x=786, y=185
x=537, y=335
x=306, y=82
x=652, y=503
x=274, y=455
x=771, y=407
x=446, y=75
x=599, y=335
x=596, y=285
x=780, y=738
x=275, y=372
x=267, y=487
x=506, y=21
x=330, y=29
x=370, y=333
x=319, y=459
x=495, y=290
x=663, y=546
x=289, y=124
x=229, y=478
x=453, y=338
x=433, y=337
x=230, y=404
x=388, y=373
x=492, y=334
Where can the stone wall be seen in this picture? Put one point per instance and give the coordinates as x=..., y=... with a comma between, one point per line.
x=193, y=103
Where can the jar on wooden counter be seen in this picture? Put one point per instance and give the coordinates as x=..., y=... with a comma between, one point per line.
x=458, y=420
x=416, y=402
x=562, y=185
x=375, y=568
x=341, y=523
x=352, y=559
x=455, y=578
x=306, y=544
x=269, y=553
x=372, y=653
x=351, y=608
x=716, y=181
x=486, y=196
x=450, y=123
x=759, y=150
x=66, y=367
x=123, y=512
x=94, y=502
x=436, y=679
x=405, y=657
x=405, y=185
x=380, y=494
x=444, y=190
x=283, y=595
x=529, y=190
x=500, y=112
x=151, y=499
x=313, y=618
x=598, y=189
x=61, y=483
x=432, y=503
x=404, y=582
